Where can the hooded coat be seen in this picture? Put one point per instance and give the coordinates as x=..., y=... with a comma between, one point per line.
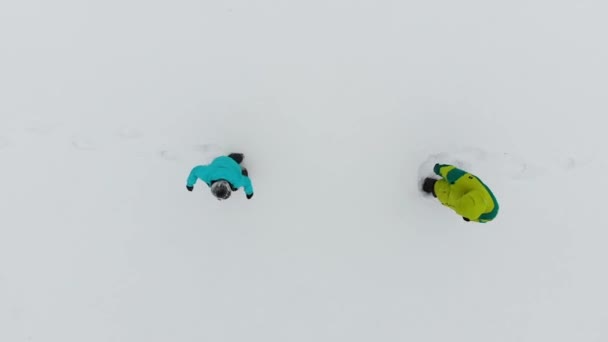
x=466, y=194
x=221, y=168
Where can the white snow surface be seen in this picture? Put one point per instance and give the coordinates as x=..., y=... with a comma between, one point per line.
x=341, y=107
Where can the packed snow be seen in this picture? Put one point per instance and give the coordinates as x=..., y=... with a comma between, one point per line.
x=341, y=108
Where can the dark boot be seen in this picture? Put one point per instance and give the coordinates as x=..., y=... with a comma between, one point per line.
x=429, y=186
x=238, y=157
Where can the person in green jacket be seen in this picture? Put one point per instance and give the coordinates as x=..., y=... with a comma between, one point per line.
x=464, y=192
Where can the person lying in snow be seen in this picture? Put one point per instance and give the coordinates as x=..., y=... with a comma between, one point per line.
x=466, y=194
x=223, y=175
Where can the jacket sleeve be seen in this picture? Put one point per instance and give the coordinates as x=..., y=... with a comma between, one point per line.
x=196, y=173
x=247, y=185
x=448, y=172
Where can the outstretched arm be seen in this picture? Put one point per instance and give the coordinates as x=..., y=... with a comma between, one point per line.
x=196, y=173
x=448, y=172
x=248, y=186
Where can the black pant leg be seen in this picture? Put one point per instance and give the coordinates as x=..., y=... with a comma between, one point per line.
x=238, y=157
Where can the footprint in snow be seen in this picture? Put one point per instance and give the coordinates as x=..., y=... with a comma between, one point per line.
x=476, y=160
x=208, y=148
x=83, y=144
x=168, y=155
x=128, y=133
x=572, y=163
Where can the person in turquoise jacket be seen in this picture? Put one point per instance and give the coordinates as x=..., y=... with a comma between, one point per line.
x=224, y=175
x=463, y=192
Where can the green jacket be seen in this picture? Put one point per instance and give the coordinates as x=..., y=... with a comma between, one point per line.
x=466, y=194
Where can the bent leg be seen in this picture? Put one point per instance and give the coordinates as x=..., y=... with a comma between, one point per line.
x=238, y=157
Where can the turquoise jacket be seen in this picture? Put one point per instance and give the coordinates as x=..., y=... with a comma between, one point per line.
x=221, y=168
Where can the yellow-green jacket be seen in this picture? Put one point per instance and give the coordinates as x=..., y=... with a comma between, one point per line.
x=466, y=194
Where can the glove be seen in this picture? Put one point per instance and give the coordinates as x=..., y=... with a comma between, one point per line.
x=249, y=196
x=189, y=187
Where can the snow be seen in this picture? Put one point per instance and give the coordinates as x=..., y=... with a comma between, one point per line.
x=340, y=107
